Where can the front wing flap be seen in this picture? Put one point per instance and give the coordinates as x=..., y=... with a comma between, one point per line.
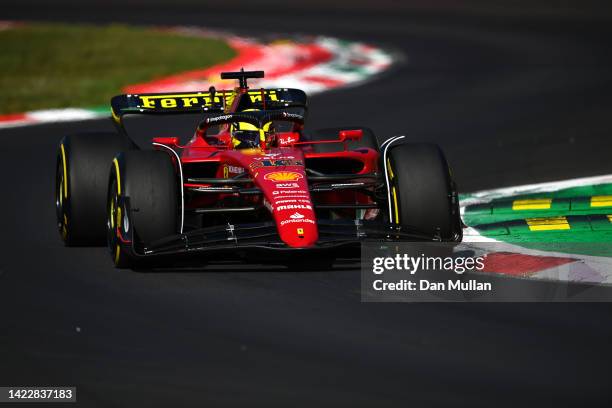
x=264, y=236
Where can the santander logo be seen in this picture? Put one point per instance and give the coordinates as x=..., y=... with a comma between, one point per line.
x=296, y=216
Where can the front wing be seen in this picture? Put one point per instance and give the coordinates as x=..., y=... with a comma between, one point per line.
x=264, y=236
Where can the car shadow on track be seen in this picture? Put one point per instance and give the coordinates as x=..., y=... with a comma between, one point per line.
x=242, y=267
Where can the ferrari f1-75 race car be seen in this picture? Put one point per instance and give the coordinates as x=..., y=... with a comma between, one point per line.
x=250, y=178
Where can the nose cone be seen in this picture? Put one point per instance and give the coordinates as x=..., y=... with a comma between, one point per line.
x=289, y=201
x=298, y=233
x=280, y=175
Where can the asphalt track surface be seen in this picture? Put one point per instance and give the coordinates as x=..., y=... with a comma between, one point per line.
x=512, y=98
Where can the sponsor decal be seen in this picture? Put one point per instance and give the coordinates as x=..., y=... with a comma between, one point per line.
x=282, y=162
x=255, y=96
x=235, y=169
x=296, y=116
x=227, y=169
x=304, y=220
x=296, y=192
x=283, y=176
x=264, y=162
x=294, y=207
x=218, y=118
x=179, y=101
x=287, y=140
x=287, y=185
x=270, y=156
x=300, y=231
x=286, y=201
x=293, y=200
x=296, y=216
x=199, y=99
x=274, y=163
x=299, y=199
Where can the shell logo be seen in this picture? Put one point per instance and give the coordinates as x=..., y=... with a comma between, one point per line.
x=283, y=176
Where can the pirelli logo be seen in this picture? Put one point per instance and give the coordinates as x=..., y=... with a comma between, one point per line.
x=197, y=100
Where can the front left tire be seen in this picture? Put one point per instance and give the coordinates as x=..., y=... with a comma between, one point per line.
x=422, y=193
x=148, y=179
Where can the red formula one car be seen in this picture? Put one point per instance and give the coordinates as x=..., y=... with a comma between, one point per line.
x=250, y=178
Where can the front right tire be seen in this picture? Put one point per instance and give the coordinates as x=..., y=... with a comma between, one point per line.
x=81, y=178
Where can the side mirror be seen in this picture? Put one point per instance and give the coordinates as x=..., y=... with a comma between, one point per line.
x=346, y=135
x=168, y=141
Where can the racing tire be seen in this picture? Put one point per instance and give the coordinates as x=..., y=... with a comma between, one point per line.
x=81, y=179
x=147, y=180
x=422, y=193
x=367, y=140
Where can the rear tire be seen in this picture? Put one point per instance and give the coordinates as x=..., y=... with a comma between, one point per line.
x=149, y=180
x=423, y=194
x=81, y=180
x=368, y=140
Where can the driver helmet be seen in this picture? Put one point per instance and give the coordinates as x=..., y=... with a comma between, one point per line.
x=246, y=135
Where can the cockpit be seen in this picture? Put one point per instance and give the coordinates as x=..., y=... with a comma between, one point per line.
x=253, y=128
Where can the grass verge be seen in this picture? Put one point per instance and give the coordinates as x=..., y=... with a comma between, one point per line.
x=46, y=66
